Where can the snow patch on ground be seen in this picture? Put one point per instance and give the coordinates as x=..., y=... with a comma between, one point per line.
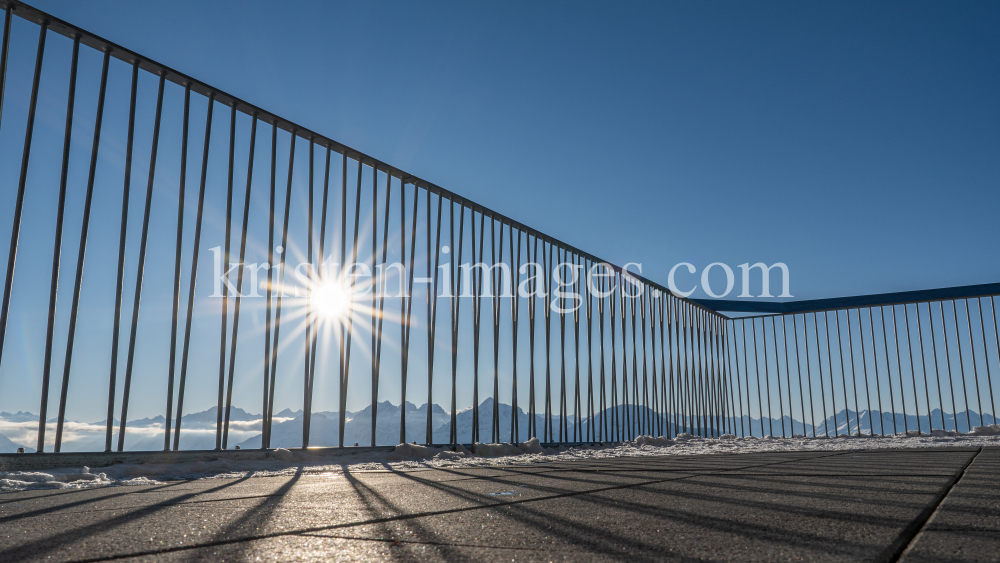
x=408, y=457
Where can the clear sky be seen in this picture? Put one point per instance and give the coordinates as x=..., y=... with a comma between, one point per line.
x=858, y=143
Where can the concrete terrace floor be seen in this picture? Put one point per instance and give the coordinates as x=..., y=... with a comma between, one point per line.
x=906, y=505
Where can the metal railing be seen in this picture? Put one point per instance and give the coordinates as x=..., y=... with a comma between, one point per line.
x=551, y=342
x=878, y=364
x=633, y=360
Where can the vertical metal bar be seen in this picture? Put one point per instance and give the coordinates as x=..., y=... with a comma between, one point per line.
x=947, y=355
x=647, y=411
x=798, y=371
x=637, y=422
x=739, y=386
x=695, y=329
x=888, y=369
x=402, y=312
x=345, y=381
x=923, y=368
x=281, y=278
x=679, y=376
x=788, y=375
x=725, y=378
x=406, y=324
x=662, y=304
x=557, y=267
x=812, y=406
x=767, y=377
x=714, y=371
x=695, y=355
x=720, y=384
x=175, y=317
x=989, y=377
x=377, y=365
x=432, y=315
x=603, y=400
x=239, y=276
x=495, y=311
x=843, y=373
x=627, y=411
x=194, y=277
x=937, y=367
x=634, y=416
x=430, y=302
x=864, y=366
x=477, y=305
x=829, y=363
x=532, y=301
x=268, y=394
x=591, y=430
x=913, y=371
x=456, y=287
x=614, y=369
x=342, y=340
x=634, y=424
x=707, y=367
x=576, y=354
x=684, y=391
x=746, y=371
x=476, y=317
x=777, y=367
x=515, y=304
x=840, y=352
x=324, y=206
x=878, y=381
x=309, y=315
x=819, y=362
x=961, y=367
x=547, y=421
x=84, y=229
x=376, y=342
x=728, y=402
x=975, y=374
x=624, y=417
x=142, y=263
x=655, y=427
x=57, y=245
x=729, y=372
x=22, y=181
x=899, y=370
x=707, y=393
x=713, y=380
x=673, y=340
x=756, y=371
x=225, y=286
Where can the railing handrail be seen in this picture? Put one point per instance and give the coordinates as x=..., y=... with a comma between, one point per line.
x=853, y=302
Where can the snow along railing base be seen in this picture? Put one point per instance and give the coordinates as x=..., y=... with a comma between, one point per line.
x=62, y=460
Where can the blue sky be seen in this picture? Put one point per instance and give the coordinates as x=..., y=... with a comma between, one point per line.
x=858, y=143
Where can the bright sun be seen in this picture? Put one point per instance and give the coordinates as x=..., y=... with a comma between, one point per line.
x=330, y=300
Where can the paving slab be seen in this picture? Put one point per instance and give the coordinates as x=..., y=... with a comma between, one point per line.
x=966, y=526
x=731, y=518
x=114, y=521
x=822, y=506
x=887, y=463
